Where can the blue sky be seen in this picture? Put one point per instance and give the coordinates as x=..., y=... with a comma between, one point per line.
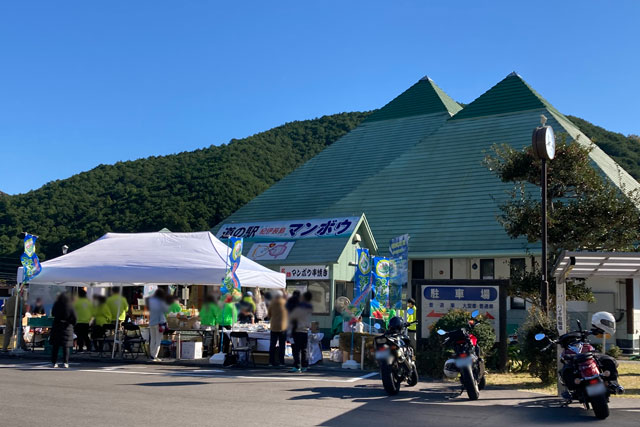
x=84, y=83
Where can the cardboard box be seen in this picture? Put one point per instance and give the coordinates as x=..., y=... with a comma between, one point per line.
x=191, y=350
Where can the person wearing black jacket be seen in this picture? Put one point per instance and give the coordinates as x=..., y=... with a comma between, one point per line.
x=64, y=319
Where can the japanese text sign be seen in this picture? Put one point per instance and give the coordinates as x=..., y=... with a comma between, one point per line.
x=296, y=229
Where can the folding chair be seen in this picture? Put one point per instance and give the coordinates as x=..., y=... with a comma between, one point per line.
x=245, y=349
x=133, y=344
x=104, y=339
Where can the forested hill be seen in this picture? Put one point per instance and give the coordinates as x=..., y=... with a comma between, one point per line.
x=624, y=149
x=184, y=192
x=191, y=190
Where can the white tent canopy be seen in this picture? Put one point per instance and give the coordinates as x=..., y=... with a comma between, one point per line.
x=119, y=259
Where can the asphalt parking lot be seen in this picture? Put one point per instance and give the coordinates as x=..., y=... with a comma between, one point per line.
x=159, y=395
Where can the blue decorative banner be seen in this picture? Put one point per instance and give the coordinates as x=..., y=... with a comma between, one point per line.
x=380, y=299
x=231, y=281
x=361, y=283
x=399, y=275
x=29, y=259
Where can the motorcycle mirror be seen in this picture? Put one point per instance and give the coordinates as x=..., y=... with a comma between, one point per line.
x=475, y=313
x=410, y=311
x=377, y=326
x=540, y=337
x=441, y=332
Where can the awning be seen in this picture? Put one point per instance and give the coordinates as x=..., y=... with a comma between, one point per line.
x=597, y=264
x=133, y=259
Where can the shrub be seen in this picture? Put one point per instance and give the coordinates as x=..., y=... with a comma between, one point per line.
x=614, y=351
x=432, y=353
x=541, y=364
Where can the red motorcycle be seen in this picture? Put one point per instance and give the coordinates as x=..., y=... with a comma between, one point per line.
x=590, y=378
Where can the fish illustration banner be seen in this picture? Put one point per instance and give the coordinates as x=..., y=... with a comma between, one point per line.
x=29, y=259
x=380, y=299
x=399, y=272
x=231, y=281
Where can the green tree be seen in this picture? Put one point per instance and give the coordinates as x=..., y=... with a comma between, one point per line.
x=586, y=210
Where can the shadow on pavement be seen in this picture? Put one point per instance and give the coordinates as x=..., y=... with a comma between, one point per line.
x=416, y=406
x=173, y=384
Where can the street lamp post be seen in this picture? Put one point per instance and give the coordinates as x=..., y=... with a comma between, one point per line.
x=544, y=148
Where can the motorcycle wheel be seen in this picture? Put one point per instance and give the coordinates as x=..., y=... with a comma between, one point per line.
x=413, y=377
x=482, y=383
x=600, y=406
x=470, y=384
x=389, y=380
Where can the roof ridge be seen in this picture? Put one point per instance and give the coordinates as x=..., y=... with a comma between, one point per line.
x=423, y=97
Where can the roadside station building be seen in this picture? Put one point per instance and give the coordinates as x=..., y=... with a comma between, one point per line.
x=415, y=166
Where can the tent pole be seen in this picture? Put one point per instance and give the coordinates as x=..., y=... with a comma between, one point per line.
x=115, y=336
x=15, y=315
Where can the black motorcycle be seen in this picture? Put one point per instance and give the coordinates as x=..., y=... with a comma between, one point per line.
x=395, y=357
x=467, y=360
x=590, y=378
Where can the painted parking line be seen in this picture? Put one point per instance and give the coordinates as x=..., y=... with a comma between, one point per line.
x=211, y=373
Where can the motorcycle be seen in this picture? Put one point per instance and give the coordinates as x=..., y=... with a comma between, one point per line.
x=467, y=360
x=395, y=357
x=589, y=378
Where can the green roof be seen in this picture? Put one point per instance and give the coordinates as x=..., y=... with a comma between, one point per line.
x=311, y=190
x=424, y=97
x=425, y=177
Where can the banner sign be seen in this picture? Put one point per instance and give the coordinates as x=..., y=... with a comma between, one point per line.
x=380, y=299
x=29, y=259
x=438, y=300
x=231, y=281
x=268, y=251
x=297, y=229
x=399, y=274
x=363, y=271
x=305, y=272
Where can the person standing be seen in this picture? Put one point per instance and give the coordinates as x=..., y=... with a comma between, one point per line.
x=278, y=318
x=300, y=320
x=38, y=310
x=261, y=306
x=9, y=310
x=64, y=319
x=293, y=301
x=117, y=302
x=84, y=314
x=411, y=317
x=210, y=312
x=102, y=317
x=157, y=322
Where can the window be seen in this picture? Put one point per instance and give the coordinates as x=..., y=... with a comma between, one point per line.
x=517, y=267
x=517, y=303
x=320, y=293
x=487, y=268
x=417, y=269
x=344, y=289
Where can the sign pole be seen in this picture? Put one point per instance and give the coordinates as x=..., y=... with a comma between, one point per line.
x=544, y=285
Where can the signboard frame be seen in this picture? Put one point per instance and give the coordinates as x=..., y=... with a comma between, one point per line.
x=419, y=285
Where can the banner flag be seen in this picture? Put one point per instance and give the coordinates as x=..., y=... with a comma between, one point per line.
x=380, y=278
x=29, y=259
x=361, y=283
x=399, y=273
x=231, y=281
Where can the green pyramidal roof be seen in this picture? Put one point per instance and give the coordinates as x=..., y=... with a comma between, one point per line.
x=424, y=97
x=423, y=174
x=508, y=96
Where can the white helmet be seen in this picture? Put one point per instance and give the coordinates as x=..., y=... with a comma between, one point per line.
x=450, y=369
x=605, y=322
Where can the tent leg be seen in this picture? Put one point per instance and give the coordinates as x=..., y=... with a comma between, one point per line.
x=15, y=317
x=117, y=331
